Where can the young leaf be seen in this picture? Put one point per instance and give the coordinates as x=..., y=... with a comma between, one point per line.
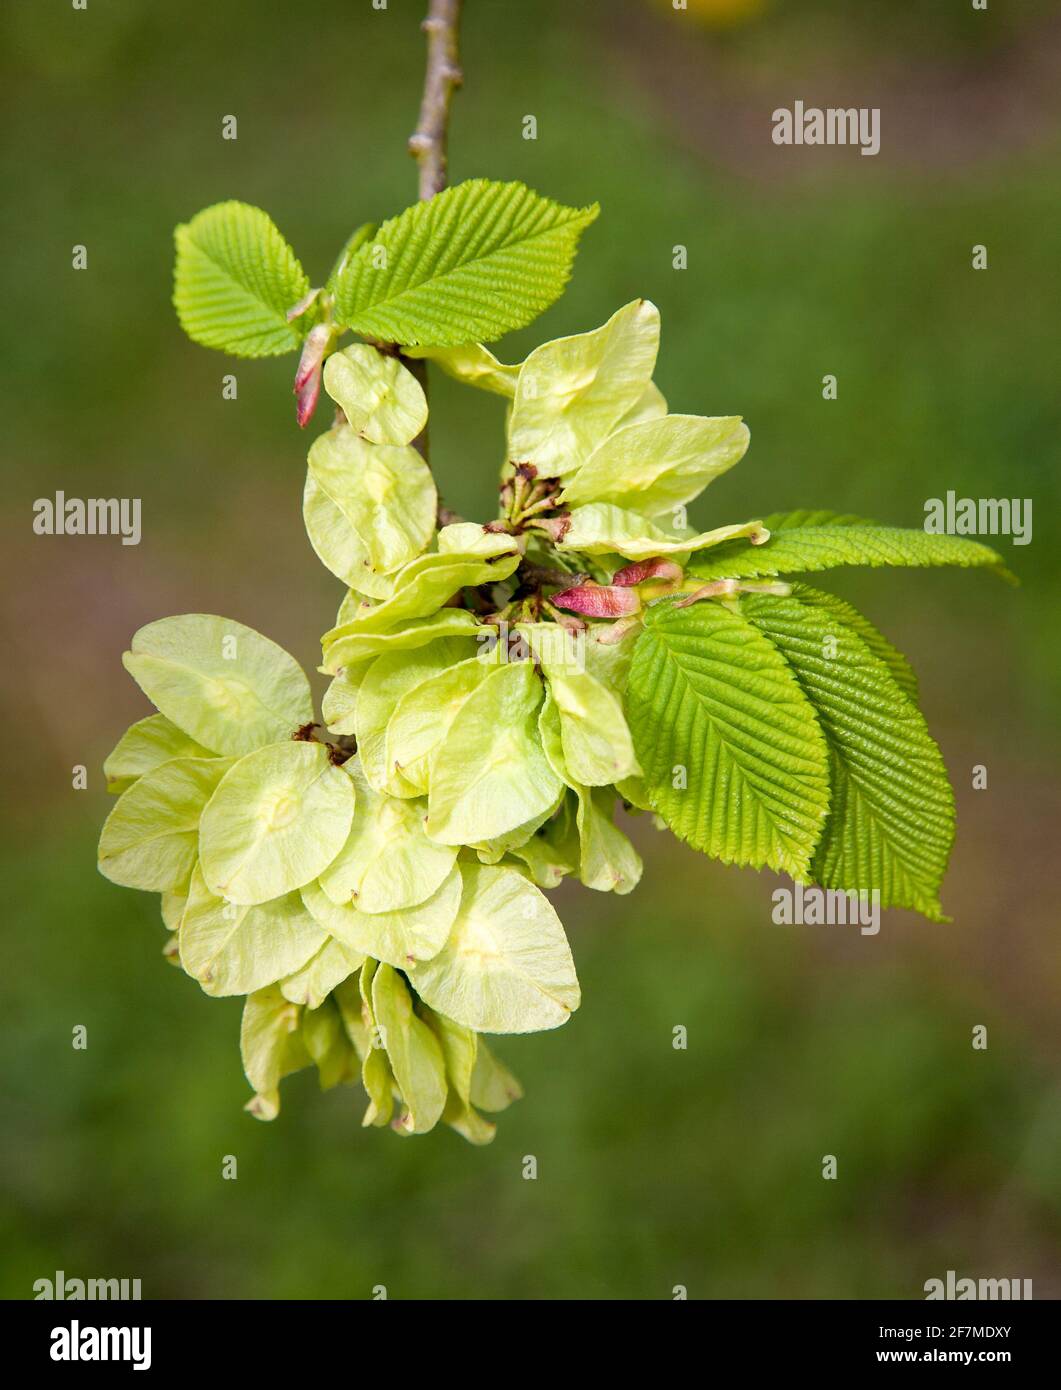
x=346, y=647
x=235, y=279
x=150, y=838
x=413, y=1052
x=387, y=863
x=490, y=774
x=422, y=718
x=144, y=746
x=475, y=365
x=328, y=1045
x=323, y=972
x=388, y=679
x=891, y=825
x=468, y=265
x=607, y=861
x=601, y=528
x=224, y=684
x=277, y=819
x=271, y=1046
x=800, y=549
x=659, y=465
x=571, y=393
x=236, y=949
x=380, y=398
x=733, y=757
x=493, y=1086
x=506, y=967
x=400, y=938
x=369, y=508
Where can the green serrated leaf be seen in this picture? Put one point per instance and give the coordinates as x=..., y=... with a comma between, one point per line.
x=891, y=825
x=235, y=279
x=733, y=757
x=801, y=549
x=468, y=265
x=354, y=242
x=902, y=672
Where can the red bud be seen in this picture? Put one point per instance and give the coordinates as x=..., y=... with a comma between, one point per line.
x=308, y=376
x=598, y=600
x=656, y=568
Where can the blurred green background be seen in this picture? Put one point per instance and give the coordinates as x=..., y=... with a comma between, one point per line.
x=656, y=1167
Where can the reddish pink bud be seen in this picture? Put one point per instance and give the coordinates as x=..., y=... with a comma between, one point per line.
x=656, y=568
x=598, y=600
x=308, y=376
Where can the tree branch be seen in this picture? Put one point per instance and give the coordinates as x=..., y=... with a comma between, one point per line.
x=427, y=144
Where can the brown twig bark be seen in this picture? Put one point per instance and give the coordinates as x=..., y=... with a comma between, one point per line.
x=428, y=142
